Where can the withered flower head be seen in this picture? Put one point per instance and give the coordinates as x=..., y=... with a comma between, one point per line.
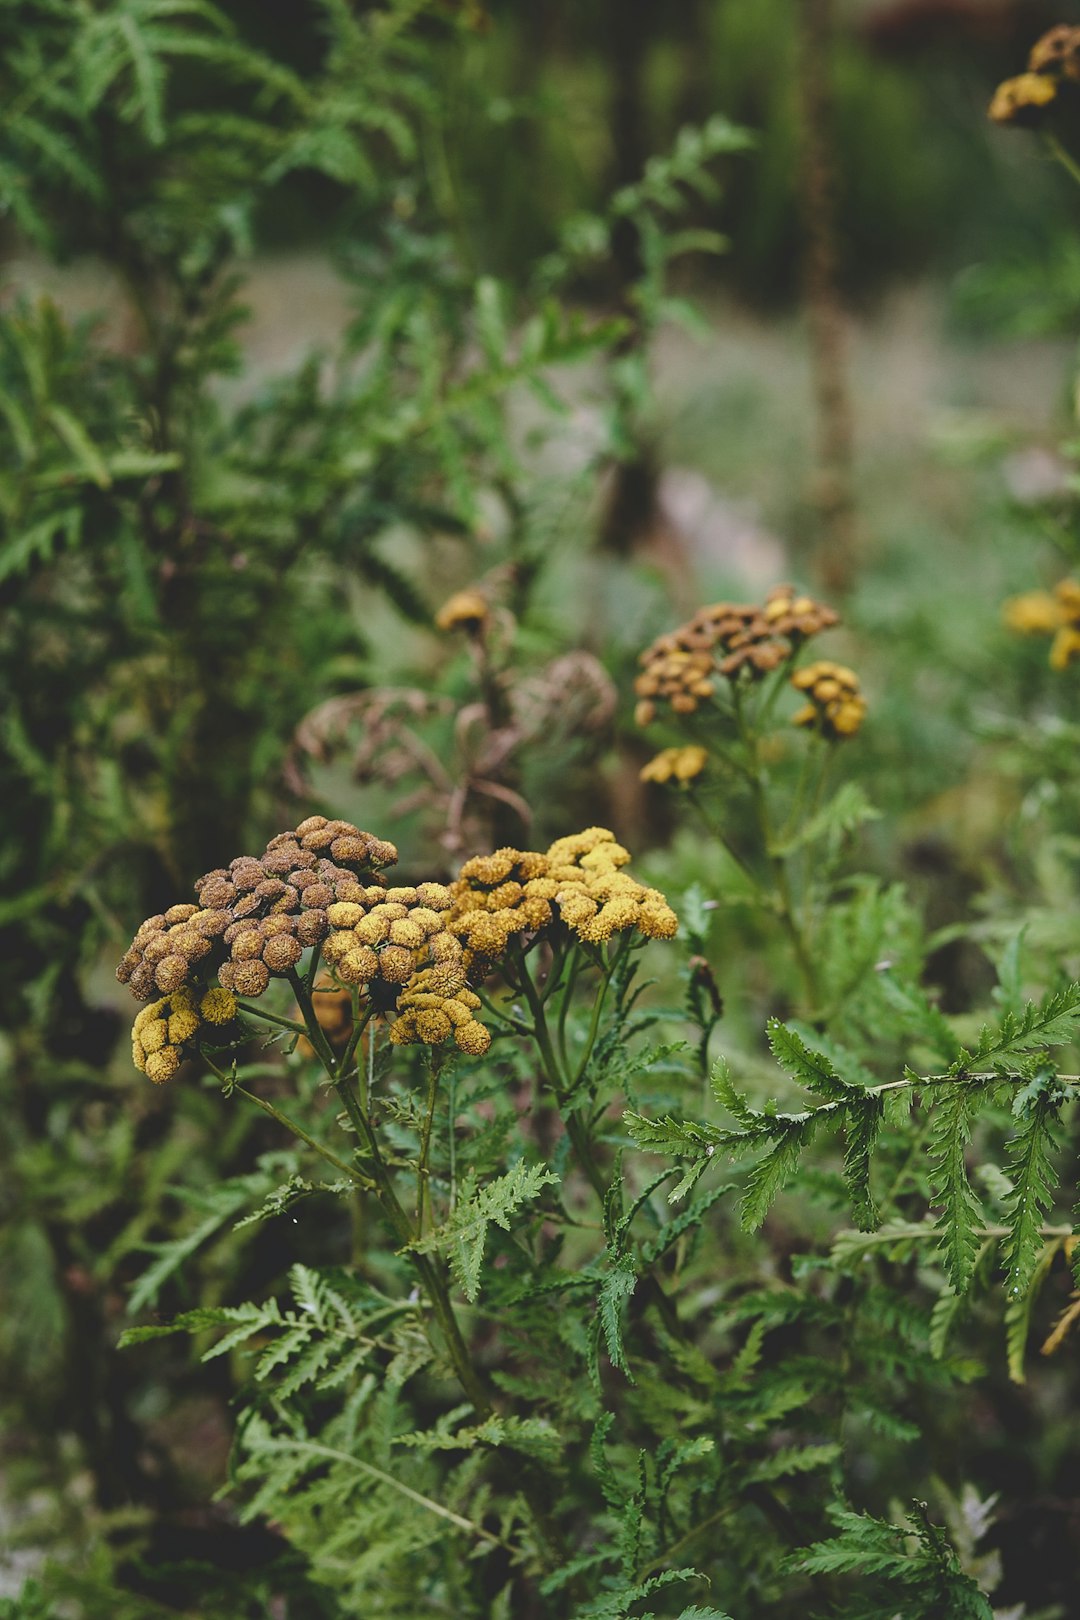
x=389, y=934
x=255, y=917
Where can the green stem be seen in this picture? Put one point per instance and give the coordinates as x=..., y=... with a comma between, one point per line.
x=298, y=1130
x=429, y=1272
x=359, y=1026
x=312, y=1027
x=423, y=1194
x=272, y=1018
x=785, y=908
x=1067, y=161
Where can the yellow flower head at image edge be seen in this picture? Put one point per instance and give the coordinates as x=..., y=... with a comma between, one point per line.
x=1046, y=613
x=682, y=764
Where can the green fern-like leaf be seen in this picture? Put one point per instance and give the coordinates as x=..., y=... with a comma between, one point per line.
x=1052, y=1022
x=1031, y=1168
x=463, y=1237
x=961, y=1218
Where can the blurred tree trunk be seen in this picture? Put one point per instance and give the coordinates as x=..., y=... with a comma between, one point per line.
x=832, y=492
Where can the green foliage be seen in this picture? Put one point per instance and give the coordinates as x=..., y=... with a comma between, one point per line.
x=912, y=1563
x=510, y=1348
x=463, y=1237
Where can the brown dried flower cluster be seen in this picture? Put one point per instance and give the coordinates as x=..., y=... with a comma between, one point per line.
x=255, y=917
x=1053, y=68
x=680, y=668
x=164, y=1031
x=1054, y=613
x=836, y=707
x=578, y=882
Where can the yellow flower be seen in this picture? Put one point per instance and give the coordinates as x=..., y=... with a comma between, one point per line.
x=1043, y=613
x=681, y=763
x=1065, y=647
x=1023, y=101
x=836, y=708
x=465, y=610
x=1033, y=613
x=217, y=1007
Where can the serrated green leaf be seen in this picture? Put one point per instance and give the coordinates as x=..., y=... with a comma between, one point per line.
x=811, y=1069
x=774, y=1170
x=1034, y=1178
x=463, y=1237
x=618, y=1284
x=961, y=1214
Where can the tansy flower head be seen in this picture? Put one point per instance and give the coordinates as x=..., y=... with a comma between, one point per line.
x=256, y=916
x=680, y=764
x=836, y=707
x=428, y=1015
x=1023, y=101
x=1045, y=613
x=465, y=610
x=161, y=1033
x=729, y=640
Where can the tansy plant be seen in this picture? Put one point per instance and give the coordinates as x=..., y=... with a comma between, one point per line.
x=719, y=680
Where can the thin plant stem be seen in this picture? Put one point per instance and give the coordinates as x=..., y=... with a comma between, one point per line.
x=298, y=1131
x=423, y=1194
x=785, y=908
x=313, y=1029
x=272, y=1018
x=428, y=1271
x=1066, y=159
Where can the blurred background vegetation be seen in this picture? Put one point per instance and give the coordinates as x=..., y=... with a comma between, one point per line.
x=313, y=313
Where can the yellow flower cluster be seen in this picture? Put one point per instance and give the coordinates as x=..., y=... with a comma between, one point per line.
x=164, y=1029
x=429, y=1012
x=682, y=764
x=1053, y=68
x=578, y=881
x=1056, y=614
x=836, y=707
x=388, y=933
x=465, y=610
x=723, y=640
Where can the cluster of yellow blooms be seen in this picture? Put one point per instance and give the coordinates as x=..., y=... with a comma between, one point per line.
x=1055, y=614
x=836, y=707
x=723, y=640
x=467, y=610
x=680, y=764
x=166, y=1027
x=385, y=934
x=1053, y=70
x=579, y=881
x=429, y=1011
x=409, y=947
